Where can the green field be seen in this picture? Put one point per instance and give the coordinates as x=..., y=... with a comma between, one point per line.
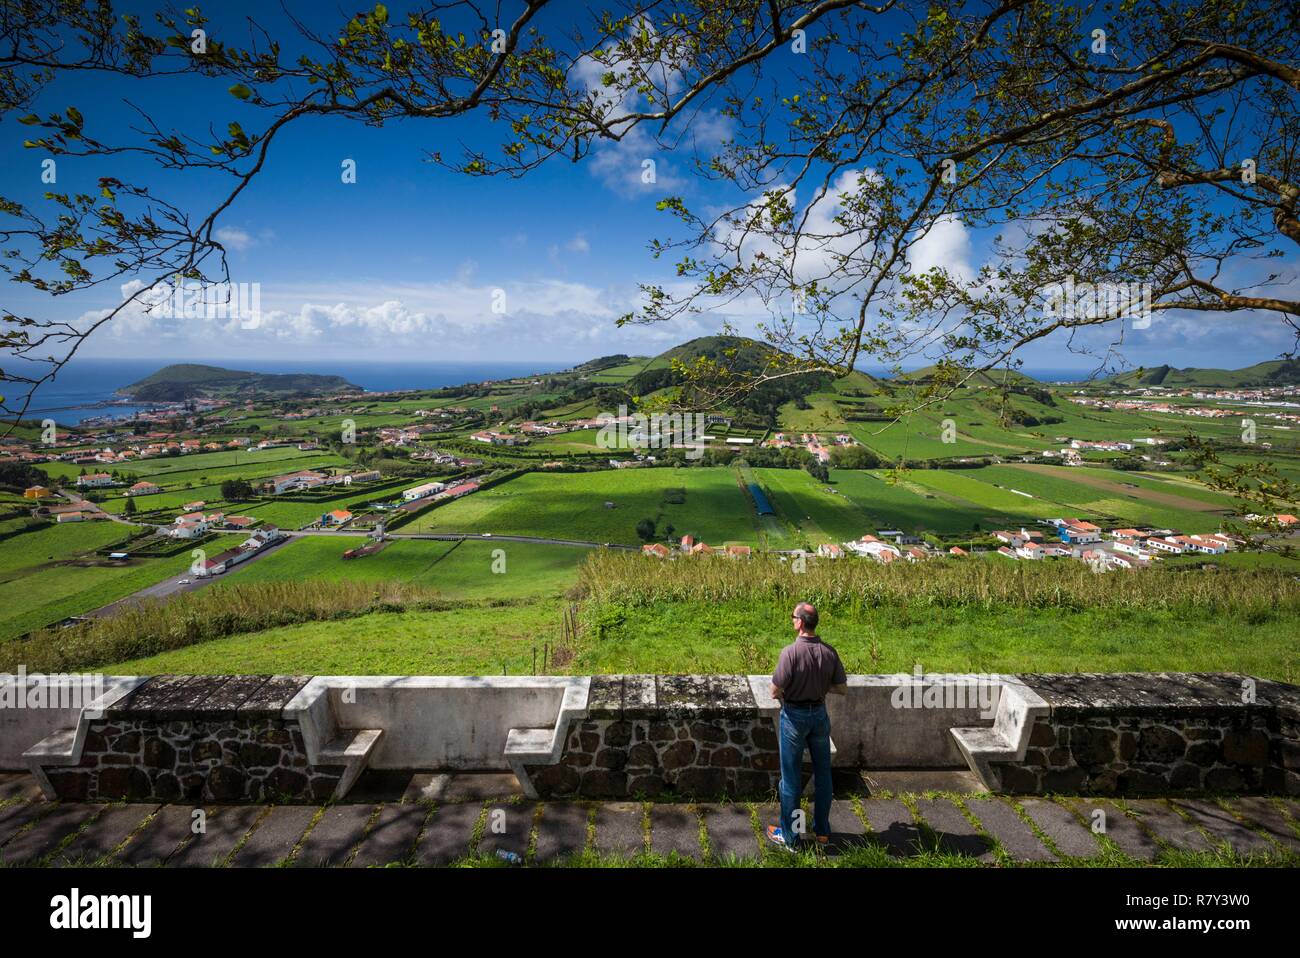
x=820, y=516
x=572, y=506
x=51, y=574
x=897, y=503
x=459, y=570
x=745, y=637
x=477, y=640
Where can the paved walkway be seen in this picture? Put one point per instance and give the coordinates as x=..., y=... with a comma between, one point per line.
x=990, y=830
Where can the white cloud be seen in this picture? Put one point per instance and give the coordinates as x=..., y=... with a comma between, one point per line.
x=444, y=320
x=946, y=245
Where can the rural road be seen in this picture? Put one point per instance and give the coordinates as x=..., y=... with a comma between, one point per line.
x=183, y=582
x=492, y=537
x=89, y=506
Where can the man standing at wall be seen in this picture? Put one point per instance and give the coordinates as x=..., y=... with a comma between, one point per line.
x=807, y=670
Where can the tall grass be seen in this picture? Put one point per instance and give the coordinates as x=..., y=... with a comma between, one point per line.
x=207, y=614
x=848, y=584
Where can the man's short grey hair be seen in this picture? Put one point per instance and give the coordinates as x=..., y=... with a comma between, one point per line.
x=807, y=614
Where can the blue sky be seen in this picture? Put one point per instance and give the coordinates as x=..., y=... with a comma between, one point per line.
x=404, y=263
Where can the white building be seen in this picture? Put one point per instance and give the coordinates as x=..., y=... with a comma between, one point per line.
x=420, y=492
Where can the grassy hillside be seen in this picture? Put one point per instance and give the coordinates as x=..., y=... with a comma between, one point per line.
x=714, y=615
x=182, y=381
x=1278, y=372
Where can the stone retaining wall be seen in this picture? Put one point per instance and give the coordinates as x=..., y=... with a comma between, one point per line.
x=197, y=738
x=1140, y=733
x=229, y=761
x=649, y=758
x=239, y=738
x=657, y=736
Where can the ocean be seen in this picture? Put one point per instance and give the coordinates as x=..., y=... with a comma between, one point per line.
x=84, y=383
x=74, y=395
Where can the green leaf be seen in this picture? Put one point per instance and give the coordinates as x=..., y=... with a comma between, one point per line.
x=240, y=91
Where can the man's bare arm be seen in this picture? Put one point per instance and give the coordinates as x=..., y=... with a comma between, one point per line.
x=839, y=689
x=776, y=691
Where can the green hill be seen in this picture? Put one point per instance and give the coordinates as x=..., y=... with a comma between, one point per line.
x=996, y=377
x=183, y=381
x=1277, y=372
x=740, y=357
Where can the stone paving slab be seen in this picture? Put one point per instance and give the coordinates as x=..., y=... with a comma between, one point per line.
x=1131, y=838
x=70, y=834
x=1070, y=836
x=15, y=816
x=333, y=837
x=275, y=837
x=392, y=837
x=1221, y=825
x=921, y=780
x=847, y=829
x=447, y=834
x=674, y=828
x=892, y=826
x=562, y=832
x=18, y=785
x=101, y=837
x=516, y=828
x=1001, y=821
x=1262, y=812
x=44, y=836
x=159, y=840
x=224, y=827
x=731, y=833
x=953, y=831
x=1170, y=827
x=619, y=829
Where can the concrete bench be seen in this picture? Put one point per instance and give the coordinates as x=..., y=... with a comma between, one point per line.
x=351, y=749
x=464, y=723
x=1006, y=741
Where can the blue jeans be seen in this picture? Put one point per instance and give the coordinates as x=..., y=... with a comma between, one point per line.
x=803, y=727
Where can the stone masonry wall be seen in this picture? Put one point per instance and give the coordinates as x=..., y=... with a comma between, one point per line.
x=198, y=738
x=1143, y=754
x=230, y=761
x=1152, y=734
x=228, y=739
x=647, y=758
x=667, y=735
